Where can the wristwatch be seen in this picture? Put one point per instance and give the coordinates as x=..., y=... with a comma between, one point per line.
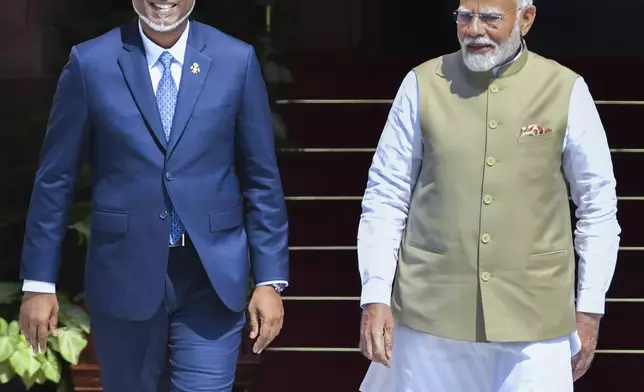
x=279, y=287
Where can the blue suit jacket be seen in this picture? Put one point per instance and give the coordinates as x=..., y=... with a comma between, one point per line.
x=218, y=169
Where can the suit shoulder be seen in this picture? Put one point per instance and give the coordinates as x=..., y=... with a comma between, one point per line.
x=218, y=40
x=100, y=47
x=551, y=66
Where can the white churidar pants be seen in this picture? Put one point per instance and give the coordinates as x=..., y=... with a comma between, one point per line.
x=427, y=363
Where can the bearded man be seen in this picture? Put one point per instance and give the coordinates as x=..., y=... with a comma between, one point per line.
x=467, y=205
x=174, y=118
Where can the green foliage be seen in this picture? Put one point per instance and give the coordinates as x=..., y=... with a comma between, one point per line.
x=17, y=358
x=10, y=292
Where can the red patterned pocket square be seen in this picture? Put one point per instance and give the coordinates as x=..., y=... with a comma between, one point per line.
x=533, y=130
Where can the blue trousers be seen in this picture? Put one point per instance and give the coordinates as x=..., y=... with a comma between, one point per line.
x=190, y=345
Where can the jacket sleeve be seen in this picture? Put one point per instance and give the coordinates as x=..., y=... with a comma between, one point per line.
x=53, y=191
x=265, y=210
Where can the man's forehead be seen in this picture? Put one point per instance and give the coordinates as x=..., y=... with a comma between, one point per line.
x=487, y=5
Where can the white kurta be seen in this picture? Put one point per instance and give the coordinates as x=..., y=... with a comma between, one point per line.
x=425, y=363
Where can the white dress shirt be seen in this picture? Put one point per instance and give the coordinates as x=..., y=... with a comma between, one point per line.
x=152, y=54
x=396, y=165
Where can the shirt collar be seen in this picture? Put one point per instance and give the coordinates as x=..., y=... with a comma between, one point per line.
x=153, y=51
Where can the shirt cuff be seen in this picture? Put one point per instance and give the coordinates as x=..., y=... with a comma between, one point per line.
x=34, y=286
x=270, y=282
x=591, y=301
x=376, y=291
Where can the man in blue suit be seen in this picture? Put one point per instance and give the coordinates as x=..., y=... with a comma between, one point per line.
x=174, y=118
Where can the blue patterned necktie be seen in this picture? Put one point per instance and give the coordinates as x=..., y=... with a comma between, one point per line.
x=167, y=101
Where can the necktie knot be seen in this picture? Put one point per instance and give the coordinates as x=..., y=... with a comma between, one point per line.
x=166, y=59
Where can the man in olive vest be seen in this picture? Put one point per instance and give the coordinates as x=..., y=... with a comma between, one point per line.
x=467, y=204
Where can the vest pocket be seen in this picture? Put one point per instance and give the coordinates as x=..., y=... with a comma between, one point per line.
x=555, y=267
x=424, y=248
x=549, y=254
x=536, y=139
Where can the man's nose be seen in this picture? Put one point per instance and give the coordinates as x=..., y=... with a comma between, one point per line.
x=475, y=28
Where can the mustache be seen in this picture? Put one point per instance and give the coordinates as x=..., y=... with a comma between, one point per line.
x=479, y=41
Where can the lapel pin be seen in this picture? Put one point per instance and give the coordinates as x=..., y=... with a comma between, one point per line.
x=195, y=68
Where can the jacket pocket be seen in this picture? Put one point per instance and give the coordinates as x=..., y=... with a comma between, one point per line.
x=109, y=222
x=226, y=218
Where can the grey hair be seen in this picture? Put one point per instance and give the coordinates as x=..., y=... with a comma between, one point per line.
x=524, y=3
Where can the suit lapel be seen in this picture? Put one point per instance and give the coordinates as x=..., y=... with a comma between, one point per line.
x=193, y=76
x=135, y=70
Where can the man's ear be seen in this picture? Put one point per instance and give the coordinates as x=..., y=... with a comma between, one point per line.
x=527, y=19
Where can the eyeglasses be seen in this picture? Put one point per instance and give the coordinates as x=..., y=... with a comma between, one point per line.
x=491, y=19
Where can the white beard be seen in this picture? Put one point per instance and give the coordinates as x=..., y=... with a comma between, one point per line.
x=495, y=57
x=162, y=28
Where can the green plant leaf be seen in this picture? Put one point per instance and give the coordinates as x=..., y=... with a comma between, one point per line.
x=24, y=361
x=80, y=297
x=28, y=382
x=13, y=329
x=39, y=377
x=4, y=327
x=71, y=342
x=52, y=343
x=52, y=368
x=73, y=315
x=8, y=346
x=80, y=210
x=64, y=298
x=271, y=72
x=10, y=292
x=6, y=372
x=82, y=228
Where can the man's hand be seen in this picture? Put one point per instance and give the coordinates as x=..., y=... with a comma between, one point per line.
x=38, y=315
x=588, y=329
x=377, y=333
x=266, y=316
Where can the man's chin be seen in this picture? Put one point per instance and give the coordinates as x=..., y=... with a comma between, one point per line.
x=162, y=25
x=478, y=62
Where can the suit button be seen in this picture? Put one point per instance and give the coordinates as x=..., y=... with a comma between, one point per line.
x=490, y=161
x=485, y=276
x=494, y=88
x=485, y=238
x=168, y=176
x=487, y=199
x=493, y=124
x=163, y=215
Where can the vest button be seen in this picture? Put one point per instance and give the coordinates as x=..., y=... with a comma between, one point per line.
x=485, y=276
x=490, y=161
x=493, y=124
x=163, y=215
x=487, y=199
x=485, y=238
x=494, y=88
